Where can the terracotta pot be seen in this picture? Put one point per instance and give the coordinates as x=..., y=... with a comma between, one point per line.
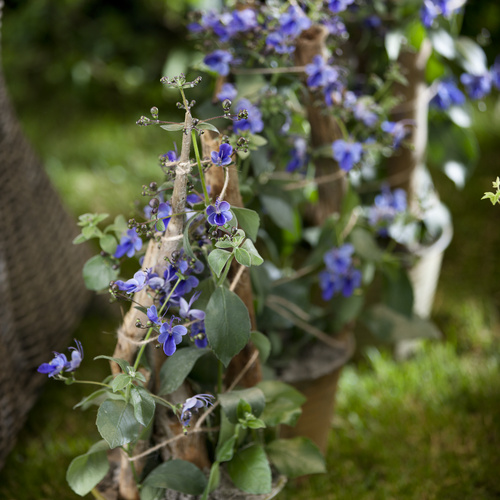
x=316, y=375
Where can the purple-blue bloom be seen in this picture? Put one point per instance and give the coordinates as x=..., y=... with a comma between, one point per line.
x=171, y=336
x=293, y=22
x=299, y=155
x=129, y=244
x=447, y=94
x=152, y=315
x=253, y=123
x=476, y=86
x=495, y=73
x=219, y=61
x=55, y=367
x=227, y=91
x=337, y=6
x=385, y=208
x=434, y=8
x=198, y=334
x=185, y=308
x=320, y=73
x=164, y=213
x=398, y=130
x=76, y=357
x=340, y=275
x=222, y=158
x=194, y=404
x=219, y=214
x=243, y=20
x=139, y=281
x=347, y=154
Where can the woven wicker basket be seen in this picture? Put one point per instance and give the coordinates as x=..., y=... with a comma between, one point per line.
x=42, y=295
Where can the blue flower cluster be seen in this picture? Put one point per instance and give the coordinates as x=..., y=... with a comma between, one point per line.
x=447, y=95
x=289, y=26
x=387, y=205
x=60, y=362
x=340, y=275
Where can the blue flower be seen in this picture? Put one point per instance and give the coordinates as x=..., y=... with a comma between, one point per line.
x=243, y=20
x=220, y=214
x=495, y=73
x=223, y=157
x=194, y=404
x=152, y=315
x=337, y=6
x=398, y=130
x=434, y=8
x=476, y=86
x=55, y=367
x=76, y=357
x=320, y=73
x=219, y=61
x=185, y=308
x=171, y=336
x=340, y=275
x=129, y=244
x=299, y=155
x=139, y=281
x=253, y=123
x=199, y=335
x=347, y=154
x=293, y=22
x=385, y=209
x=164, y=213
x=227, y=91
x=447, y=94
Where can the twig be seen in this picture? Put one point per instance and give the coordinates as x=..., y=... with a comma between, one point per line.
x=239, y=274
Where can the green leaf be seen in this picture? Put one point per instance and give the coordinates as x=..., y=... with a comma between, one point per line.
x=214, y=478
x=217, y=259
x=119, y=226
x=151, y=493
x=185, y=239
x=398, y=292
x=79, y=239
x=296, y=457
x=86, y=471
x=176, y=368
x=243, y=257
x=91, y=232
x=172, y=127
x=207, y=126
x=108, y=243
x=443, y=43
x=252, y=396
x=365, y=245
x=144, y=405
x=281, y=212
x=257, y=140
x=262, y=343
x=390, y=326
x=225, y=244
x=178, y=475
x=226, y=451
x=124, y=365
x=116, y=423
x=283, y=403
x=393, y=41
x=255, y=258
x=227, y=324
x=160, y=225
x=89, y=400
x=98, y=272
x=471, y=56
x=250, y=471
x=248, y=220
x=120, y=382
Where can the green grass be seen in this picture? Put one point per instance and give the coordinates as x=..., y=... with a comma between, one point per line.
x=427, y=428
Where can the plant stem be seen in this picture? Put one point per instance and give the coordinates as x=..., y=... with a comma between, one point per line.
x=200, y=168
x=220, y=372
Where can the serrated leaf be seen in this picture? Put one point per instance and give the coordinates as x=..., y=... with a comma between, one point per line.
x=250, y=471
x=248, y=220
x=98, y=272
x=178, y=475
x=86, y=471
x=217, y=259
x=227, y=324
x=91, y=232
x=144, y=405
x=116, y=423
x=296, y=457
x=172, y=127
x=243, y=257
x=224, y=244
x=177, y=367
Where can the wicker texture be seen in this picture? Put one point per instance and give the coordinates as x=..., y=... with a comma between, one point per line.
x=42, y=295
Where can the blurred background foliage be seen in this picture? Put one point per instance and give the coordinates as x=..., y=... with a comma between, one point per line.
x=80, y=73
